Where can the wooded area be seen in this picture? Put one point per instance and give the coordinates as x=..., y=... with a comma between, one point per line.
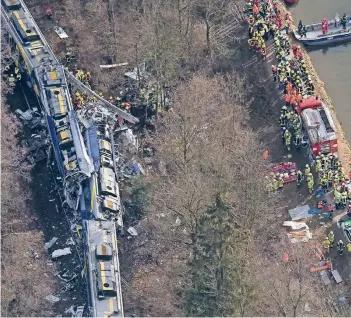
x=208, y=244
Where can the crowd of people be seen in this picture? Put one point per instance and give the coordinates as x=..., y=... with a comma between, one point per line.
x=81, y=97
x=267, y=22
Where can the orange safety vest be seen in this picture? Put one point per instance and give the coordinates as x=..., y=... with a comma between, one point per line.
x=292, y=99
x=255, y=9
x=287, y=98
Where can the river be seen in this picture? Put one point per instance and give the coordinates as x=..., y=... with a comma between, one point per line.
x=331, y=63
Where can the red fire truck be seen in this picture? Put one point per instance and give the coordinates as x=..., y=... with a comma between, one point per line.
x=318, y=125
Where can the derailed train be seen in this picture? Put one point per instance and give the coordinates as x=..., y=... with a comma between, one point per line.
x=84, y=157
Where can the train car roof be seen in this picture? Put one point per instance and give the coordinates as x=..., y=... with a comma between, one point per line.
x=102, y=240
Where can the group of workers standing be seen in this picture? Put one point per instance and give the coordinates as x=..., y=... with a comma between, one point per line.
x=329, y=241
x=302, y=29
x=81, y=98
x=266, y=21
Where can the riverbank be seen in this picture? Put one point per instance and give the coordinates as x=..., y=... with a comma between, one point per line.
x=343, y=144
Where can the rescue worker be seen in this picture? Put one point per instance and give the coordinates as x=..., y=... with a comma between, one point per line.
x=287, y=136
x=49, y=14
x=331, y=238
x=110, y=100
x=324, y=183
x=310, y=184
x=299, y=27
x=348, y=211
x=87, y=77
x=251, y=20
x=280, y=183
x=343, y=199
x=275, y=184
x=69, y=56
x=275, y=73
x=269, y=185
x=340, y=247
x=299, y=176
x=18, y=75
x=307, y=170
x=343, y=21
x=12, y=80
x=263, y=50
x=101, y=95
x=318, y=165
x=326, y=245
x=297, y=140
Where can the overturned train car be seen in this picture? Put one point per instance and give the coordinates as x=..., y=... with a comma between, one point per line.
x=84, y=157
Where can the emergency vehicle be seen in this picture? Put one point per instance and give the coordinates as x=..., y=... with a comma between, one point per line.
x=318, y=126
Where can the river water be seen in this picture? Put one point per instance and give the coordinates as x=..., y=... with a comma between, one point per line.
x=333, y=64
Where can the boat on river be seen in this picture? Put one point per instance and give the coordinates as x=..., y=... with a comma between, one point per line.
x=291, y=1
x=335, y=33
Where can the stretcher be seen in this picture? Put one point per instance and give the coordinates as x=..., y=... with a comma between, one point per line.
x=288, y=170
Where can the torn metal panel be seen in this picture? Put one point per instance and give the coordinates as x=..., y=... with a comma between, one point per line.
x=114, y=109
x=93, y=146
x=84, y=161
x=60, y=32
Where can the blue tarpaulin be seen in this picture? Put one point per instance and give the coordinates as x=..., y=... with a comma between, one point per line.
x=55, y=144
x=94, y=147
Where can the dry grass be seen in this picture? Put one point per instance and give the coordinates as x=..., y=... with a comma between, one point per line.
x=25, y=280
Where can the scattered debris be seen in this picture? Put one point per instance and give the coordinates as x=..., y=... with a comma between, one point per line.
x=50, y=243
x=324, y=277
x=67, y=287
x=336, y=276
x=70, y=310
x=75, y=313
x=80, y=311
x=61, y=252
x=298, y=231
x=178, y=221
x=34, y=254
x=307, y=307
x=52, y=298
x=132, y=231
x=60, y=32
x=114, y=65
x=137, y=73
x=70, y=241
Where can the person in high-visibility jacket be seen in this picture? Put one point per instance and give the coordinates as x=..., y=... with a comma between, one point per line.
x=297, y=141
x=324, y=183
x=307, y=170
x=269, y=184
x=331, y=238
x=275, y=184
x=343, y=198
x=299, y=176
x=310, y=184
x=287, y=136
x=280, y=183
x=330, y=178
x=318, y=165
x=326, y=244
